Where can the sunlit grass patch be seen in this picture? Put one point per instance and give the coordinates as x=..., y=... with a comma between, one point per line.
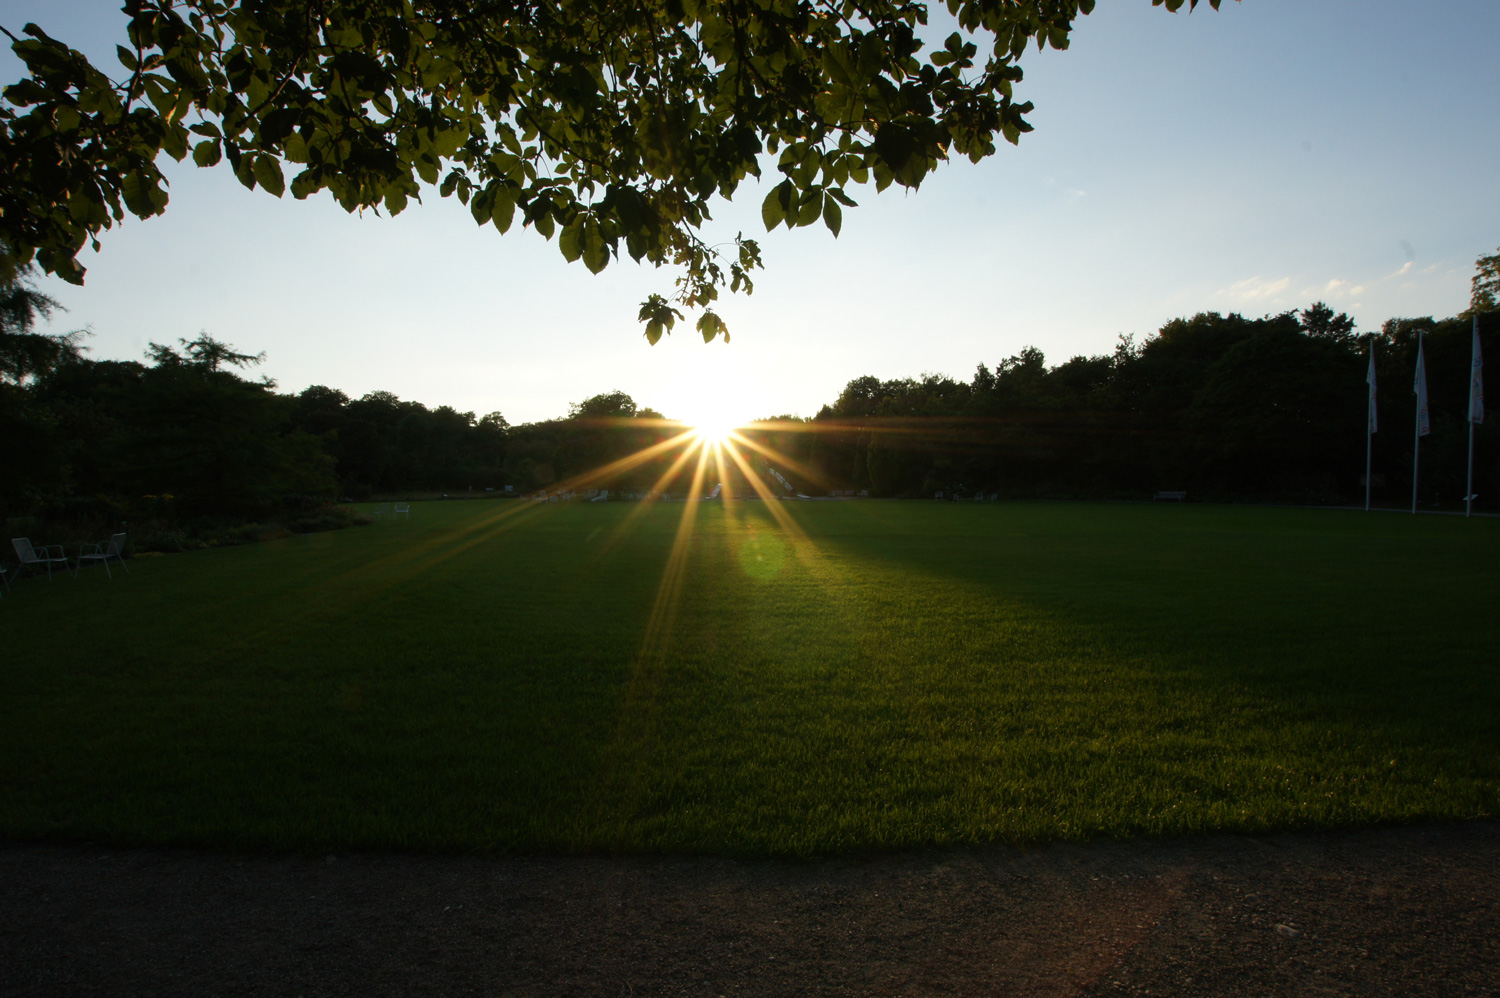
x=518, y=677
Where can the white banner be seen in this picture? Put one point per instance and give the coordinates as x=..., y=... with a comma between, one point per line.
x=1476, y=380
x=1424, y=421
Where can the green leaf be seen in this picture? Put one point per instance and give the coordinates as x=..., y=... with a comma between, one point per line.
x=207, y=153
x=174, y=142
x=810, y=207
x=658, y=316
x=268, y=174
x=504, y=209
x=571, y=240
x=771, y=211
x=595, y=249
x=894, y=144
x=136, y=190
x=304, y=184
x=710, y=326
x=833, y=215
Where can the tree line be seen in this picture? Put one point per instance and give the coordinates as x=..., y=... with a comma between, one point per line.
x=1223, y=407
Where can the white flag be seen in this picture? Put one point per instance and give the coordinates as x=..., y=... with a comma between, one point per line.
x=1476, y=380
x=1424, y=421
x=1370, y=380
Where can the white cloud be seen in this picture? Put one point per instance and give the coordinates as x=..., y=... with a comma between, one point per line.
x=1256, y=289
x=1405, y=269
x=1335, y=290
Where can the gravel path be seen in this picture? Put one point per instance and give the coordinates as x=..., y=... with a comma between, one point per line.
x=1413, y=911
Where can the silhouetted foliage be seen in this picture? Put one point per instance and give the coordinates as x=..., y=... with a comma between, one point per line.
x=1222, y=406
x=1485, y=294
x=612, y=126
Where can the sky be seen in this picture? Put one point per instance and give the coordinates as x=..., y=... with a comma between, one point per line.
x=1254, y=159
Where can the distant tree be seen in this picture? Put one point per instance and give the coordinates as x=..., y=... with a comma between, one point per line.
x=612, y=126
x=320, y=410
x=1485, y=296
x=223, y=445
x=24, y=352
x=1272, y=415
x=612, y=405
x=1320, y=322
x=204, y=352
x=491, y=437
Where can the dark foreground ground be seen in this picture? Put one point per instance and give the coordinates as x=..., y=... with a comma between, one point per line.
x=1383, y=912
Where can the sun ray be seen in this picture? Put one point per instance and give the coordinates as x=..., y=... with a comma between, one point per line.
x=671, y=584
x=690, y=447
x=626, y=463
x=726, y=493
x=773, y=504
x=770, y=454
x=636, y=726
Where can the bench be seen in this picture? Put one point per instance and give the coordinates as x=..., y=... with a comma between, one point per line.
x=1174, y=496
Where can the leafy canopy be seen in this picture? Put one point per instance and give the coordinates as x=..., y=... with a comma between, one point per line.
x=609, y=126
x=1486, y=285
x=24, y=353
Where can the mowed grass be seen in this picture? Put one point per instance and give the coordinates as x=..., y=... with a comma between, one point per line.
x=500, y=677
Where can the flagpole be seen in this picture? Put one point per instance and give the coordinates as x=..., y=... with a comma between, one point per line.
x=1469, y=493
x=1416, y=452
x=1476, y=409
x=1370, y=416
x=1416, y=449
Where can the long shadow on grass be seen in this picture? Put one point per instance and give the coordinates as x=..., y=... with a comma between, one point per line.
x=445, y=684
x=1166, y=670
x=890, y=675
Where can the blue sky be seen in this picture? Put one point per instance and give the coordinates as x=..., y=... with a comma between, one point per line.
x=1255, y=159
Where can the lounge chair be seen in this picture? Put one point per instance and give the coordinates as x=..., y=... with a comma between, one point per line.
x=30, y=556
x=111, y=548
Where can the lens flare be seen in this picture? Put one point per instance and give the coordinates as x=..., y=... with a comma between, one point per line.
x=715, y=429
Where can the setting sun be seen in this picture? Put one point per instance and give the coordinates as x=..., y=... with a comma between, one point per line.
x=713, y=408
x=715, y=430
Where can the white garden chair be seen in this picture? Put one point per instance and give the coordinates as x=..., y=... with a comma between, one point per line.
x=401, y=509
x=111, y=548
x=384, y=509
x=30, y=556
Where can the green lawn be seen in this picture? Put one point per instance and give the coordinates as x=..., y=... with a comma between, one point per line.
x=508, y=676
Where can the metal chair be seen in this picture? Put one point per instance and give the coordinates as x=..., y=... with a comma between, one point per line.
x=29, y=556
x=111, y=548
